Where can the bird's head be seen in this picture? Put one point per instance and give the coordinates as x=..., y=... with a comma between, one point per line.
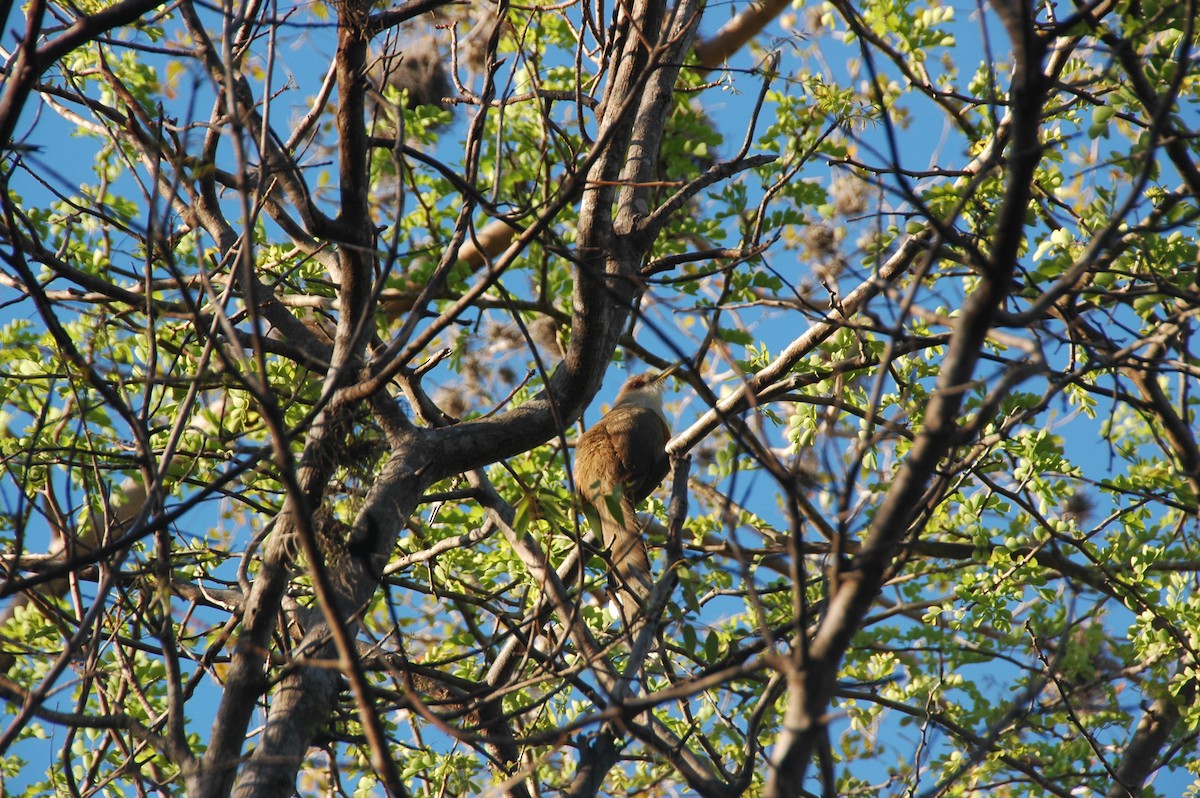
x=645, y=390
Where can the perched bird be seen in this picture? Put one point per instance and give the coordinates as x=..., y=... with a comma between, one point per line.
x=619, y=461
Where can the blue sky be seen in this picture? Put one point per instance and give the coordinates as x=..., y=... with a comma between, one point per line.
x=925, y=142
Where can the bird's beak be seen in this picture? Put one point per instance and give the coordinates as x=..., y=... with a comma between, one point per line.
x=667, y=372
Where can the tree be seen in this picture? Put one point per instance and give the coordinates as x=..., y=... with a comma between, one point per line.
x=301, y=322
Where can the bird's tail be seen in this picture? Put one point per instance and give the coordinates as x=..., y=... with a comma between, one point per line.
x=630, y=576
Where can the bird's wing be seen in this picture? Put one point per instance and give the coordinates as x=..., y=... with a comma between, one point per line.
x=638, y=435
x=619, y=461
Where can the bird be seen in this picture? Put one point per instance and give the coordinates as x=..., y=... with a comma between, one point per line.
x=619, y=461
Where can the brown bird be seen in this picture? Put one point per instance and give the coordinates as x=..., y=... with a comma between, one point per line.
x=619, y=461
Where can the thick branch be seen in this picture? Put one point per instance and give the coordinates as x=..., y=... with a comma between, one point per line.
x=812, y=675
